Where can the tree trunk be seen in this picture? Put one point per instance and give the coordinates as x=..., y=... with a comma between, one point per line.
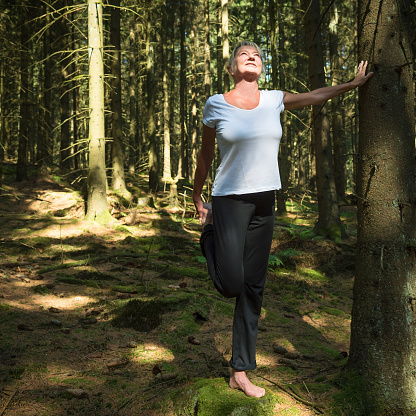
x=133, y=125
x=284, y=150
x=65, y=142
x=225, y=43
x=45, y=138
x=21, y=169
x=340, y=147
x=184, y=171
x=118, y=182
x=167, y=169
x=194, y=96
x=207, y=55
x=383, y=329
x=329, y=223
x=97, y=206
x=151, y=122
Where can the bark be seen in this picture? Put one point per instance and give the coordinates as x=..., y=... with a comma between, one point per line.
x=118, y=182
x=328, y=223
x=21, y=169
x=194, y=96
x=151, y=122
x=383, y=329
x=218, y=50
x=225, y=43
x=207, y=55
x=45, y=138
x=97, y=206
x=133, y=125
x=284, y=150
x=340, y=148
x=183, y=136
x=65, y=142
x=167, y=169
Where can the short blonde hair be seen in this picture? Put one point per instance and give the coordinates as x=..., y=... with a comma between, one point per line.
x=231, y=61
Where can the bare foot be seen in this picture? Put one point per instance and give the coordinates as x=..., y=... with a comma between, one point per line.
x=239, y=380
x=208, y=219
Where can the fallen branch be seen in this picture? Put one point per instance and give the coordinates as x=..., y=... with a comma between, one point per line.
x=294, y=395
x=7, y=402
x=90, y=260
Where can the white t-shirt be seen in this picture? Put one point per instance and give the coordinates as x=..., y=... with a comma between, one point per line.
x=248, y=142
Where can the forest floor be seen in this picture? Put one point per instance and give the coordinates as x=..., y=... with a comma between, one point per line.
x=114, y=320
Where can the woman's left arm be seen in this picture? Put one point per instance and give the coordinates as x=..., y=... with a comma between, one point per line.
x=320, y=95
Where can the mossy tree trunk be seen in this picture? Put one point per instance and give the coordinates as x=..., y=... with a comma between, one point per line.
x=383, y=329
x=97, y=206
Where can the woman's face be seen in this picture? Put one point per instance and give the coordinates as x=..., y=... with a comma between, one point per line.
x=247, y=61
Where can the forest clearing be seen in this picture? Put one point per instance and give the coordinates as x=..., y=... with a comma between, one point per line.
x=124, y=320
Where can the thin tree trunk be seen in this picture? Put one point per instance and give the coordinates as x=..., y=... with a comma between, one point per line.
x=225, y=43
x=184, y=145
x=329, y=223
x=133, y=125
x=65, y=142
x=383, y=329
x=207, y=49
x=151, y=122
x=284, y=150
x=340, y=146
x=21, y=169
x=97, y=206
x=118, y=182
x=167, y=169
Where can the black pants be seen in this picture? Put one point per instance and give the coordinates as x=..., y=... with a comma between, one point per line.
x=237, y=250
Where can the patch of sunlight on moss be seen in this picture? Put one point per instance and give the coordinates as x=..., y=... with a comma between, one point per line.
x=312, y=274
x=146, y=354
x=333, y=311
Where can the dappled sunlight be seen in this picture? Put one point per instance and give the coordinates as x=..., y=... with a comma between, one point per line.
x=34, y=303
x=150, y=353
x=334, y=329
x=267, y=359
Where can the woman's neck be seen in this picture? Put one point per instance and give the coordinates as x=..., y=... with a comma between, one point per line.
x=246, y=87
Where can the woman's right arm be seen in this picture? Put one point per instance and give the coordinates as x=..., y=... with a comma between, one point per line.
x=205, y=157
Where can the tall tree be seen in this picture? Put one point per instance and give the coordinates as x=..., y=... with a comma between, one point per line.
x=383, y=329
x=21, y=171
x=207, y=54
x=65, y=61
x=118, y=182
x=184, y=154
x=97, y=206
x=225, y=43
x=340, y=148
x=167, y=169
x=151, y=122
x=329, y=223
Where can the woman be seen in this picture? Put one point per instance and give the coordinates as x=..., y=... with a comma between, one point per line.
x=237, y=233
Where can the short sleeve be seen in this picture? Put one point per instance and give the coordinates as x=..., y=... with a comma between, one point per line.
x=208, y=115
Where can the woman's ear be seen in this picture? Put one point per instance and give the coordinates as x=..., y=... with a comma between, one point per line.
x=229, y=71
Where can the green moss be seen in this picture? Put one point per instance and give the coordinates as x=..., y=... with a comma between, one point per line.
x=213, y=397
x=180, y=272
x=41, y=290
x=350, y=400
x=333, y=311
x=312, y=274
